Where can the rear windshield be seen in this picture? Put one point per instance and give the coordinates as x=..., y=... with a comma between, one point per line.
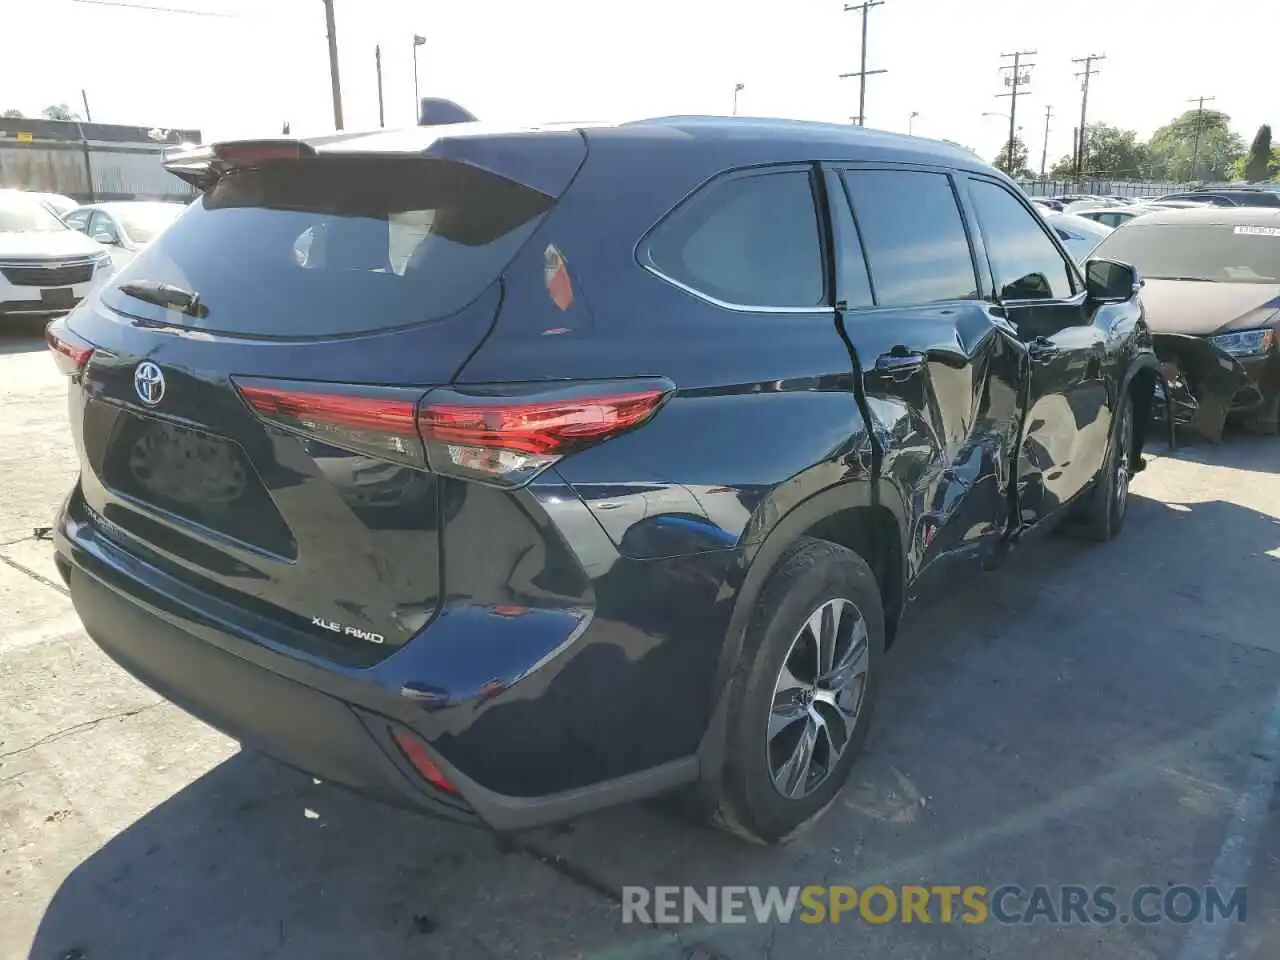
x=337, y=246
x=1220, y=252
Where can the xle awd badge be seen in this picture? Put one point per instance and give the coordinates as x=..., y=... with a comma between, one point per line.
x=346, y=630
x=148, y=383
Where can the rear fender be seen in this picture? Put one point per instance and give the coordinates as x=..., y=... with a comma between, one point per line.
x=760, y=560
x=1201, y=382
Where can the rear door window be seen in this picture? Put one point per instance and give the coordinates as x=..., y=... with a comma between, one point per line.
x=338, y=246
x=746, y=240
x=1026, y=264
x=914, y=236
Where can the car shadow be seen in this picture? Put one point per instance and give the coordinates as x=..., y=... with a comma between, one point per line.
x=1097, y=687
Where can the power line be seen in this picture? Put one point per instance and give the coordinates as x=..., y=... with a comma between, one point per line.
x=862, y=73
x=1089, y=71
x=1195, y=150
x=1013, y=81
x=148, y=8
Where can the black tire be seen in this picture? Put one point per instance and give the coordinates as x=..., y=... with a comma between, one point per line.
x=1103, y=513
x=814, y=572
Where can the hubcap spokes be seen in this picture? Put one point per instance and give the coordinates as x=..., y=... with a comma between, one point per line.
x=817, y=698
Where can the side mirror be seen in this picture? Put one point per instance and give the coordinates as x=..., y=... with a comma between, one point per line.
x=103, y=237
x=1110, y=281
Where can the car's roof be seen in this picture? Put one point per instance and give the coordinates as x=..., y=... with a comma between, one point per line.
x=116, y=205
x=1077, y=222
x=1229, y=216
x=786, y=138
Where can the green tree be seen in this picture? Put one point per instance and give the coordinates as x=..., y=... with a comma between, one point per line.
x=1017, y=167
x=1258, y=165
x=1063, y=169
x=12, y=114
x=1273, y=168
x=59, y=111
x=1200, y=139
x=1113, y=153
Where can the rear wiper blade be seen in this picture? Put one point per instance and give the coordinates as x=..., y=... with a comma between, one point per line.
x=165, y=295
x=1190, y=279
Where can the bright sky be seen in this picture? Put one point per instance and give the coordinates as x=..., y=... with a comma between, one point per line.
x=263, y=61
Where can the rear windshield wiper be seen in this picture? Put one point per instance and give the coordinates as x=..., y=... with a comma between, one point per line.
x=1191, y=279
x=165, y=295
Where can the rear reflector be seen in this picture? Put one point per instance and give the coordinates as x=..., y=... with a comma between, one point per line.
x=374, y=420
x=70, y=353
x=508, y=438
x=416, y=753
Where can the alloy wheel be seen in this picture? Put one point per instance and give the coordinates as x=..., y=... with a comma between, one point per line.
x=817, y=698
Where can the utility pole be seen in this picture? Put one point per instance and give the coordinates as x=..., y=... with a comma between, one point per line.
x=1195, y=150
x=84, y=98
x=1044, y=151
x=1088, y=71
x=377, y=60
x=862, y=73
x=333, y=64
x=1015, y=80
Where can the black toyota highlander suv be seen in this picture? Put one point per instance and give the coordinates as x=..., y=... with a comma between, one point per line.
x=509, y=474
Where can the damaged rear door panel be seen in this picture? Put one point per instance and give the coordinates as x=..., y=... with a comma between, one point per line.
x=940, y=374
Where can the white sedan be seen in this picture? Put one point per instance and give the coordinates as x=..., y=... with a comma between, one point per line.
x=126, y=226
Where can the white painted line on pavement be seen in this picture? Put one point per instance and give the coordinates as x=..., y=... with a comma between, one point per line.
x=1231, y=869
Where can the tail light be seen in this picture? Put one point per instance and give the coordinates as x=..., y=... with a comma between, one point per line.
x=70, y=352
x=374, y=420
x=502, y=435
x=507, y=435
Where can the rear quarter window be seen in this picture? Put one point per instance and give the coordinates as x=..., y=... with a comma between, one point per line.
x=338, y=246
x=746, y=240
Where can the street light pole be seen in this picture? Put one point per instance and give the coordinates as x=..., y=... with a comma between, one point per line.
x=417, y=97
x=911, y=122
x=737, y=88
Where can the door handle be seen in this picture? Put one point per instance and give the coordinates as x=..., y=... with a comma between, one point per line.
x=1041, y=350
x=899, y=363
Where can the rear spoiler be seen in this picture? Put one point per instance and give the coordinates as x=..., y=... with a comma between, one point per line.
x=200, y=166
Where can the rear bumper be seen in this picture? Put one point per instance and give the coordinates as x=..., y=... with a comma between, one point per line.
x=332, y=723
x=21, y=301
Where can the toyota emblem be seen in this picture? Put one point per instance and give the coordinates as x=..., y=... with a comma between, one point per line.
x=148, y=381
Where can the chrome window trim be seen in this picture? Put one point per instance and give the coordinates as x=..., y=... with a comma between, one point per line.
x=724, y=304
